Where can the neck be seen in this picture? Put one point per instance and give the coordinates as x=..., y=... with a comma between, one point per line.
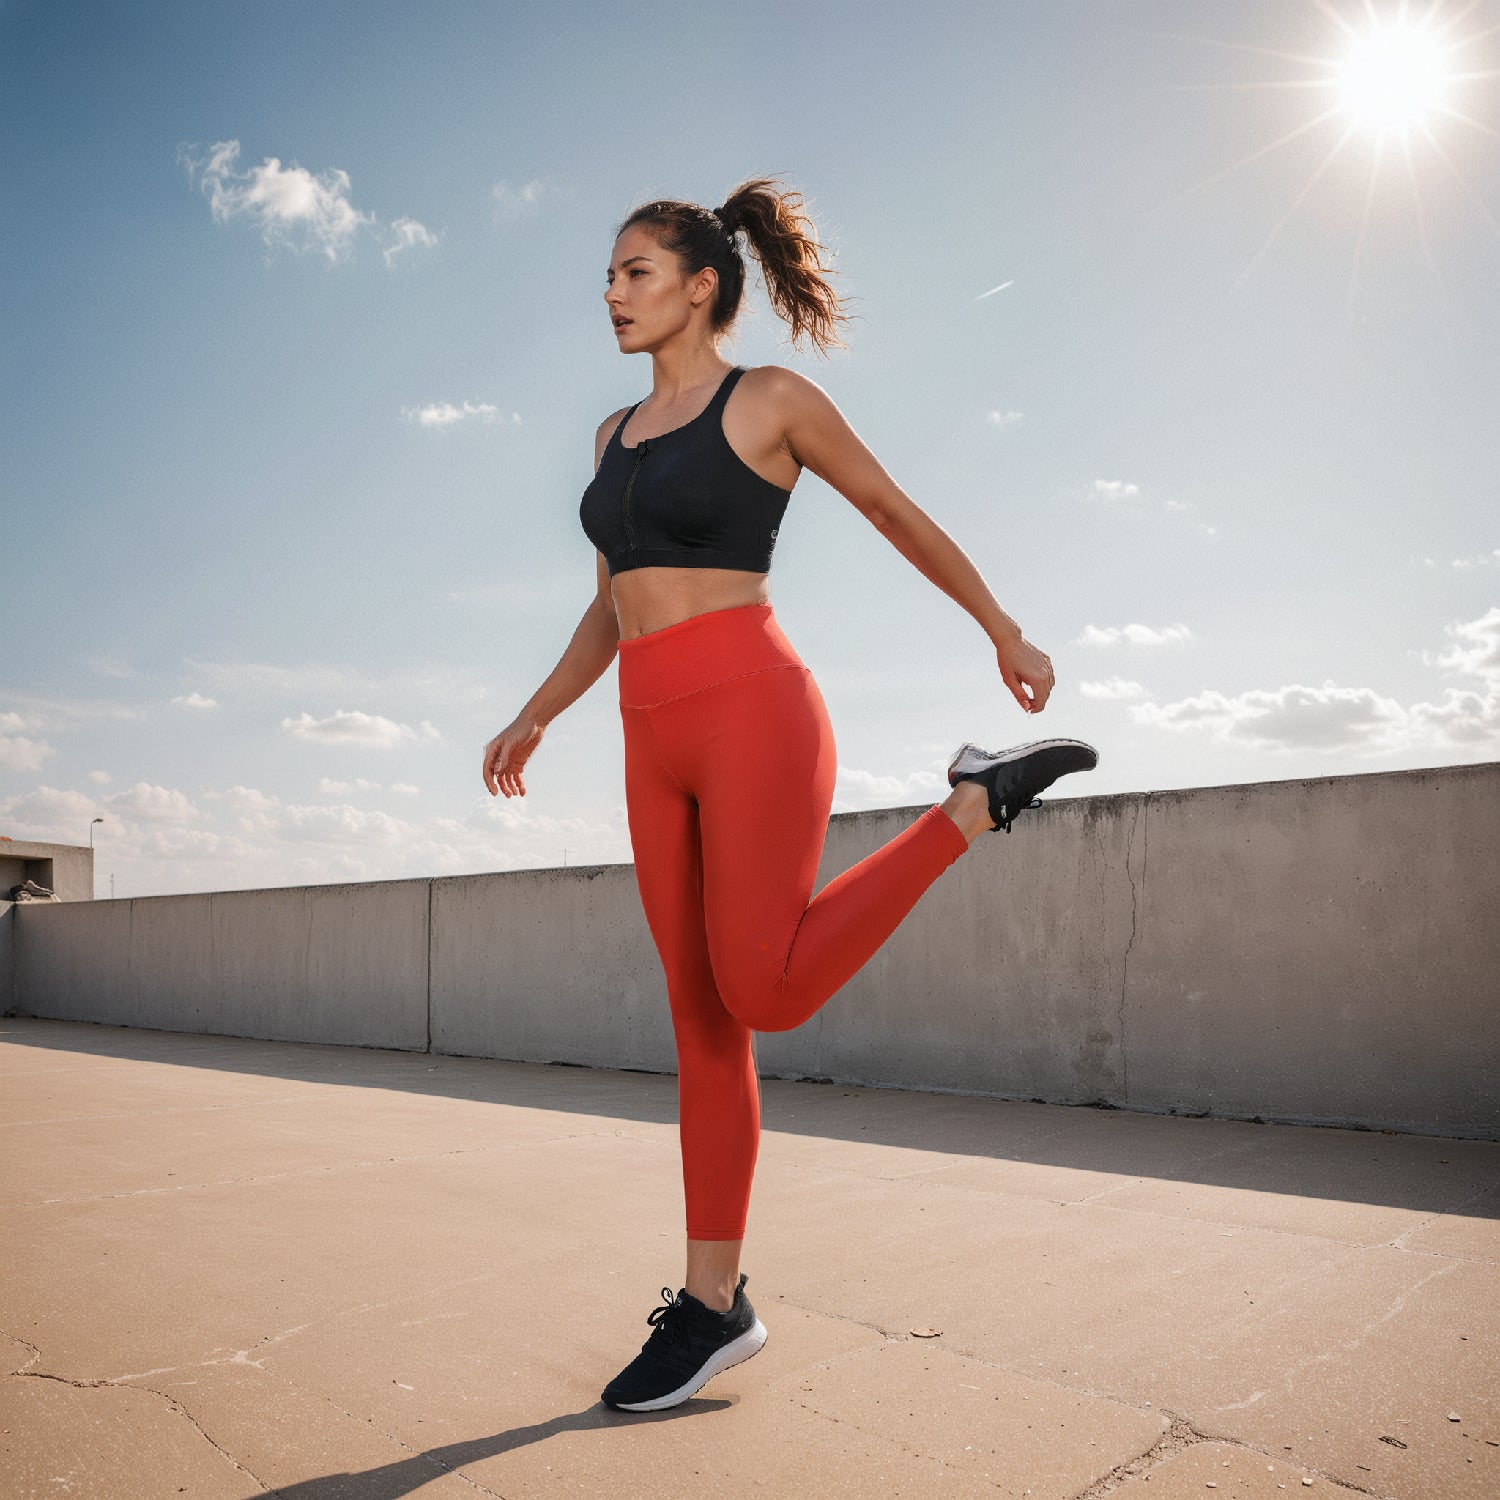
x=676, y=373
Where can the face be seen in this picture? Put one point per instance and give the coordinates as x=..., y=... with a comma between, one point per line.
x=647, y=287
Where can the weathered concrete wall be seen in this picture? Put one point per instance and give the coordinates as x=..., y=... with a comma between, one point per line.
x=328, y=963
x=1322, y=951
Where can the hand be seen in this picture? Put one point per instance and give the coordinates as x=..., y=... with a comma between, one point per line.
x=1024, y=666
x=505, y=755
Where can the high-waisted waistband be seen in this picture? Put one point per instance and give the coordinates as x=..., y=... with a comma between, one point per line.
x=699, y=652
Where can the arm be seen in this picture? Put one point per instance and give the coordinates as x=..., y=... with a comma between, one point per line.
x=822, y=440
x=595, y=642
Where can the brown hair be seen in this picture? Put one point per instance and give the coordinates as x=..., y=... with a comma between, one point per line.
x=782, y=238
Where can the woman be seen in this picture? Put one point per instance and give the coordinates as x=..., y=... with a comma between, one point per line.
x=729, y=758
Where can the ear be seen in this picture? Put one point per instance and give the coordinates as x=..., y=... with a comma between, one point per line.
x=705, y=286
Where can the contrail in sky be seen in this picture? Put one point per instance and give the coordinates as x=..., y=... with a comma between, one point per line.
x=994, y=289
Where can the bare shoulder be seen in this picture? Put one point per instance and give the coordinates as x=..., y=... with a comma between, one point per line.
x=603, y=434
x=788, y=391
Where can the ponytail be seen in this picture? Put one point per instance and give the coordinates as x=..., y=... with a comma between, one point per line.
x=782, y=239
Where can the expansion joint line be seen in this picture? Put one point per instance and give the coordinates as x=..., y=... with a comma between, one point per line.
x=1141, y=819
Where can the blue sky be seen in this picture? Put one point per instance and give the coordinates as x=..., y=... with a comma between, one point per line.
x=305, y=346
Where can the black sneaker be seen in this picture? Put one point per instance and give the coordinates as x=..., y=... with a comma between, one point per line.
x=1014, y=777
x=689, y=1345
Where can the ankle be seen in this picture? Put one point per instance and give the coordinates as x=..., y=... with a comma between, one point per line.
x=969, y=806
x=714, y=1297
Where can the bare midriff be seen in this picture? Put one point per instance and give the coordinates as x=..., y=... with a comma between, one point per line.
x=648, y=599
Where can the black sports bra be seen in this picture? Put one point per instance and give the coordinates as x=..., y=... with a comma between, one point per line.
x=682, y=499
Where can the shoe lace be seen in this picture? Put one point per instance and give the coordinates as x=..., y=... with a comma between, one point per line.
x=669, y=1321
x=1008, y=813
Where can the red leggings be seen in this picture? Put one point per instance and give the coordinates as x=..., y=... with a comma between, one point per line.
x=729, y=768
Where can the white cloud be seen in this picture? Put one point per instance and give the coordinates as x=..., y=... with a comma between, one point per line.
x=854, y=790
x=147, y=803
x=1003, y=418
x=1287, y=718
x=1332, y=718
x=1113, y=688
x=1126, y=497
x=1133, y=635
x=18, y=752
x=1468, y=564
x=100, y=778
x=331, y=788
x=513, y=204
x=352, y=727
x=157, y=838
x=261, y=682
x=405, y=233
x=445, y=413
x=194, y=700
x=1476, y=649
x=292, y=206
x=53, y=815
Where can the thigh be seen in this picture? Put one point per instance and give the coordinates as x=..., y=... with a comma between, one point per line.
x=765, y=785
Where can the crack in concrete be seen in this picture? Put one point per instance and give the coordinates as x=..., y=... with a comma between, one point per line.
x=416, y=1453
x=36, y=1353
x=1141, y=817
x=1344, y=1346
x=1181, y=1435
x=241, y=1356
x=178, y=1407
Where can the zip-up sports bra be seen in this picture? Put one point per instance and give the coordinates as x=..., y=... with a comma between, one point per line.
x=682, y=499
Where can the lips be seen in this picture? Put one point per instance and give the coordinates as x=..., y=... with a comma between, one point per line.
x=623, y=322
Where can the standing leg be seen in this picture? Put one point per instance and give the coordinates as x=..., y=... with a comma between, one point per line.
x=718, y=1090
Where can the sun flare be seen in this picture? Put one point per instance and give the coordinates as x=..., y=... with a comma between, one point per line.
x=1394, y=93
x=1393, y=77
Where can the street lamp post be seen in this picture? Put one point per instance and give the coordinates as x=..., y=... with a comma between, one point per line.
x=91, y=831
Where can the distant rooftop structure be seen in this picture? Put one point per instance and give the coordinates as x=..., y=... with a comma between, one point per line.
x=64, y=870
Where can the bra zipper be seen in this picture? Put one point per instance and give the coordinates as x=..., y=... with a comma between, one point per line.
x=641, y=452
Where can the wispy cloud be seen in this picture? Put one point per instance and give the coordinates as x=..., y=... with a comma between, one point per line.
x=405, y=233
x=512, y=204
x=994, y=289
x=1114, y=688
x=273, y=683
x=353, y=727
x=1133, y=635
x=294, y=208
x=445, y=413
x=1003, y=418
x=193, y=700
x=1125, y=497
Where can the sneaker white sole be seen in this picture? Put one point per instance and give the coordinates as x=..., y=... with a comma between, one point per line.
x=738, y=1352
x=964, y=763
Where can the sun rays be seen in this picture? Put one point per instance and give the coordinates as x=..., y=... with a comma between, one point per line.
x=1392, y=86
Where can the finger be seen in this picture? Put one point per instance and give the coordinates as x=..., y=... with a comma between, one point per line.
x=1017, y=691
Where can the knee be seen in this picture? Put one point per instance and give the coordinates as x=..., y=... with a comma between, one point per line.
x=765, y=1006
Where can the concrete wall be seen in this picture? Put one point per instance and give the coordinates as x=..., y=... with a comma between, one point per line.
x=1319, y=951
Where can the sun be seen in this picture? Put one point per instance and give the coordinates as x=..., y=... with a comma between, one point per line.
x=1394, y=84
x=1394, y=76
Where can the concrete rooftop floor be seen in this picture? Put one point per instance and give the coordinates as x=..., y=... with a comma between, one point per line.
x=235, y=1267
